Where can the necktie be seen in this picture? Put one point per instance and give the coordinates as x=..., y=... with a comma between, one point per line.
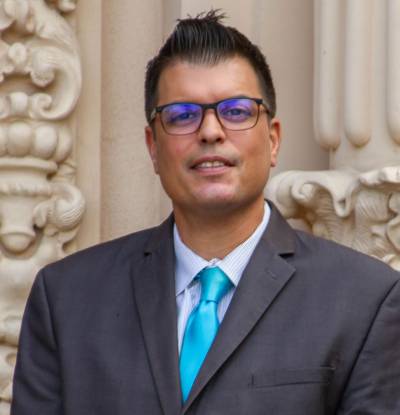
x=202, y=325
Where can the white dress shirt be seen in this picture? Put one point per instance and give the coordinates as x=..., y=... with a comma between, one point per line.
x=189, y=264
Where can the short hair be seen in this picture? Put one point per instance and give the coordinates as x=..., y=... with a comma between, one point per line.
x=203, y=39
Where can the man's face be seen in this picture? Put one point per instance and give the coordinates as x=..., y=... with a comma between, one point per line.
x=212, y=170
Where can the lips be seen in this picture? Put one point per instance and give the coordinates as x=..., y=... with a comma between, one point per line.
x=213, y=162
x=210, y=164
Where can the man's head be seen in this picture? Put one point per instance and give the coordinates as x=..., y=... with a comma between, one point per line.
x=205, y=40
x=210, y=104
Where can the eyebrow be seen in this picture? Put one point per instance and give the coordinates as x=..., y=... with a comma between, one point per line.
x=214, y=102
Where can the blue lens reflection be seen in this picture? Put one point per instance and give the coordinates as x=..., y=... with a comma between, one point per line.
x=181, y=114
x=237, y=110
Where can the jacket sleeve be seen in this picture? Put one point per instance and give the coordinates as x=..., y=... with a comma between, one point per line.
x=374, y=384
x=37, y=378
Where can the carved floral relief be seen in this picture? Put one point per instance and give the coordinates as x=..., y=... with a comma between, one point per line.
x=40, y=207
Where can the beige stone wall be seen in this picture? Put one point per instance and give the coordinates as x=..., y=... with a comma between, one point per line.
x=88, y=145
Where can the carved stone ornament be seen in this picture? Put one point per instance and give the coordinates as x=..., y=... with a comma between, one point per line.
x=360, y=210
x=40, y=207
x=357, y=120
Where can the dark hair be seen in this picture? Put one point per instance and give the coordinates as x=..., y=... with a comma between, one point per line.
x=205, y=40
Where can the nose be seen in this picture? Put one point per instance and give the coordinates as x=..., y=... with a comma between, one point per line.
x=211, y=130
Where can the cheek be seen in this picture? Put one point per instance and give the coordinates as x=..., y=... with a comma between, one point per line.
x=171, y=157
x=257, y=154
x=257, y=163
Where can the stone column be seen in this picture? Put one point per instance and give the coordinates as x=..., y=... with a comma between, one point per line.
x=357, y=120
x=40, y=207
x=131, y=198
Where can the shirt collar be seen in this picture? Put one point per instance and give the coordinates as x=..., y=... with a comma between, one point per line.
x=189, y=264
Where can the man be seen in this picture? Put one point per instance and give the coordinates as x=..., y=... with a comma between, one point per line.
x=223, y=308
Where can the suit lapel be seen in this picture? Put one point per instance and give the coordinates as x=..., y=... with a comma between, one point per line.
x=154, y=290
x=265, y=276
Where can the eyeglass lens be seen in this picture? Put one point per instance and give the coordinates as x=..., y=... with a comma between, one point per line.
x=233, y=114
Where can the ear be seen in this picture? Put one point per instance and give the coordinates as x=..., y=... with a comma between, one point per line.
x=274, y=140
x=151, y=147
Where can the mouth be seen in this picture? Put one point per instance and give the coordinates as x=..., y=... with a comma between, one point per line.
x=211, y=163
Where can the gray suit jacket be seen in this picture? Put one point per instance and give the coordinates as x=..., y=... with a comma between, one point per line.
x=313, y=328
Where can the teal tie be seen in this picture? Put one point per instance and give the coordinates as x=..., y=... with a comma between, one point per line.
x=202, y=326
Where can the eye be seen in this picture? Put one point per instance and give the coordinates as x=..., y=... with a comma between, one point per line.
x=180, y=114
x=236, y=110
x=236, y=114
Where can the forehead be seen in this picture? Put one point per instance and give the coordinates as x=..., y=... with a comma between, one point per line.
x=198, y=82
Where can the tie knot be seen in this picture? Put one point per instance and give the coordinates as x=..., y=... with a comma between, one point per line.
x=214, y=284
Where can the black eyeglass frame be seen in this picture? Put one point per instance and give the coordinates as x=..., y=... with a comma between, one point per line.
x=213, y=105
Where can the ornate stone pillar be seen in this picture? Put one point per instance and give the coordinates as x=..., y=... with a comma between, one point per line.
x=40, y=207
x=357, y=119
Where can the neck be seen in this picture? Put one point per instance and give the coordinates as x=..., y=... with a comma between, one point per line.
x=215, y=236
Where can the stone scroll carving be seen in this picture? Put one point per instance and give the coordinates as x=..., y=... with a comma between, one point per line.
x=359, y=210
x=40, y=207
x=357, y=120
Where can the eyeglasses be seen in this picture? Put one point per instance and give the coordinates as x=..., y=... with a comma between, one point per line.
x=180, y=118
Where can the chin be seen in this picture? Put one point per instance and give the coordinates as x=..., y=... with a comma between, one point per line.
x=217, y=196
